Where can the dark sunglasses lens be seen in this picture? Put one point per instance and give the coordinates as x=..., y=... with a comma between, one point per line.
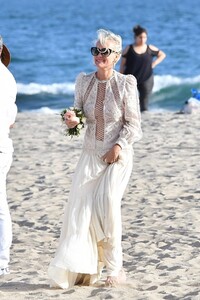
x=94, y=51
x=105, y=52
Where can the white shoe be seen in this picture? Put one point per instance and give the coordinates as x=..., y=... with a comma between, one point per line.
x=4, y=271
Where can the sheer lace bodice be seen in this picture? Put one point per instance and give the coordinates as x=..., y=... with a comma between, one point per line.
x=101, y=90
x=111, y=108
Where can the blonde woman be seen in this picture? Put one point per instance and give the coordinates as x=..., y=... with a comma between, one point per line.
x=91, y=233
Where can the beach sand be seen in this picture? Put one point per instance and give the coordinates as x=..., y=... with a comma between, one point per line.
x=160, y=210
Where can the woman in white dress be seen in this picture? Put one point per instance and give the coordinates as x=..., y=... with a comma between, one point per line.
x=91, y=232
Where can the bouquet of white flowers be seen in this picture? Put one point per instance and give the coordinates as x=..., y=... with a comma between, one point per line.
x=76, y=115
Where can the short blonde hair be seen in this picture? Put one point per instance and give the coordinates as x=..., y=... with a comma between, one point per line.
x=107, y=35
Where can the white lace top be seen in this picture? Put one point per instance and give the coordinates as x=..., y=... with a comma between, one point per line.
x=111, y=108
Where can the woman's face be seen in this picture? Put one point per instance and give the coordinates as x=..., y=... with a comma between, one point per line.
x=103, y=61
x=141, y=39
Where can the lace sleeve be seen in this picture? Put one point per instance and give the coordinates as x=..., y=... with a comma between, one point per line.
x=131, y=131
x=78, y=102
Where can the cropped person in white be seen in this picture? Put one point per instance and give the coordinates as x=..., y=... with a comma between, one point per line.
x=91, y=232
x=8, y=112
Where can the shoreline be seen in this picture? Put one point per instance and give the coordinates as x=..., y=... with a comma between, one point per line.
x=53, y=111
x=160, y=209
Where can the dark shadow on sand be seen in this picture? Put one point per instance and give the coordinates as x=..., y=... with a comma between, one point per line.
x=13, y=287
x=21, y=287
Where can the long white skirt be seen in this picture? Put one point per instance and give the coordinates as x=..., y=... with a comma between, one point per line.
x=91, y=231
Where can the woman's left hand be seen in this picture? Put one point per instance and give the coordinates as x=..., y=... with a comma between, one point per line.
x=112, y=155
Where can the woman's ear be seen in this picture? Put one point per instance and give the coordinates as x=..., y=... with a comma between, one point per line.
x=117, y=57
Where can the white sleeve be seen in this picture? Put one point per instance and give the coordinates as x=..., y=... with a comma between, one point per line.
x=4, y=127
x=8, y=115
x=131, y=131
x=8, y=108
x=12, y=113
x=78, y=103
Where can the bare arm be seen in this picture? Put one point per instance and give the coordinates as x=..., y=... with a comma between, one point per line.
x=123, y=60
x=122, y=65
x=160, y=57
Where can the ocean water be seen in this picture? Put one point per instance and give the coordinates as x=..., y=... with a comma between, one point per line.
x=50, y=44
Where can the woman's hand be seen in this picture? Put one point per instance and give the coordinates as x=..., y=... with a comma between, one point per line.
x=70, y=119
x=112, y=155
x=12, y=125
x=72, y=124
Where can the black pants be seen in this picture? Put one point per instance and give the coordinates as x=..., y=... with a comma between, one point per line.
x=145, y=90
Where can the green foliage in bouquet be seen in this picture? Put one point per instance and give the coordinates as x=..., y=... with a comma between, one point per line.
x=79, y=114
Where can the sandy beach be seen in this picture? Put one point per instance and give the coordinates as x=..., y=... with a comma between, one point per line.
x=160, y=210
